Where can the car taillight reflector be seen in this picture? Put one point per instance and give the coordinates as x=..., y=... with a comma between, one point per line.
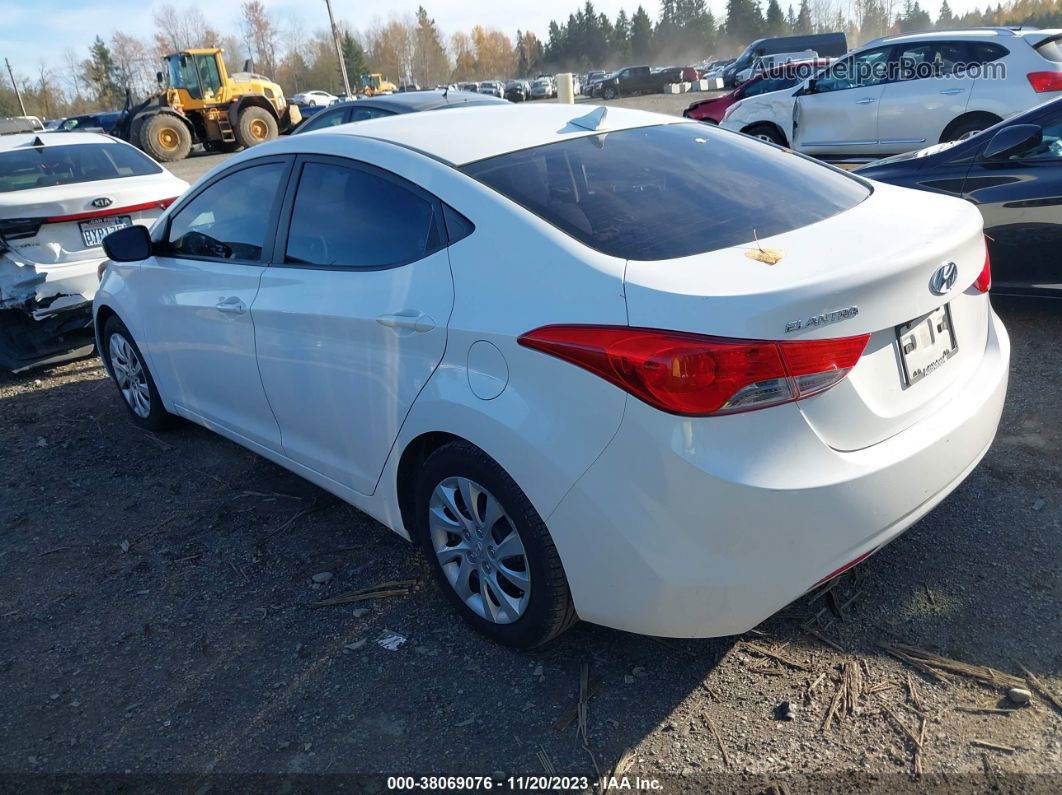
x=984, y=279
x=1045, y=81
x=694, y=375
x=160, y=204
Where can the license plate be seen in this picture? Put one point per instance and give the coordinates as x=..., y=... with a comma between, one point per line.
x=93, y=232
x=926, y=343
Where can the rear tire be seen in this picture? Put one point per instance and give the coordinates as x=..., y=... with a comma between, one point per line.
x=964, y=128
x=255, y=126
x=765, y=132
x=165, y=138
x=470, y=549
x=132, y=377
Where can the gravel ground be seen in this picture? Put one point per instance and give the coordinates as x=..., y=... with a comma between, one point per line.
x=156, y=617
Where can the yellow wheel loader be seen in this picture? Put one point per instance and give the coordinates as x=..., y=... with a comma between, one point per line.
x=200, y=103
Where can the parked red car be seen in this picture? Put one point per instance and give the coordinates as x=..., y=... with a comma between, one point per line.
x=776, y=79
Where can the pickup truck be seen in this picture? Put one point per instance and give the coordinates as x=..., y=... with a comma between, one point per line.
x=630, y=80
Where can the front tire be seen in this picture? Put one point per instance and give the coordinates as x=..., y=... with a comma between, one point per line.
x=132, y=377
x=255, y=126
x=766, y=132
x=609, y=93
x=489, y=549
x=165, y=138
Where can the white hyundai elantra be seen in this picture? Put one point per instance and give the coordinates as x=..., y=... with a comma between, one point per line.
x=623, y=368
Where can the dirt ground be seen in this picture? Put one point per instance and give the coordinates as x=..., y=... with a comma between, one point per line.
x=157, y=619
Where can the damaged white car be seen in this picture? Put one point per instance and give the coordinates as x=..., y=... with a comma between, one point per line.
x=61, y=193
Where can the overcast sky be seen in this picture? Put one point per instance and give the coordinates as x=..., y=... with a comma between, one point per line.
x=34, y=29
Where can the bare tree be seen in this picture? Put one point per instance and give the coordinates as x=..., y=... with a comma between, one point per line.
x=260, y=33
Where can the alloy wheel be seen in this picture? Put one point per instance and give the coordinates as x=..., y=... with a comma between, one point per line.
x=479, y=550
x=130, y=375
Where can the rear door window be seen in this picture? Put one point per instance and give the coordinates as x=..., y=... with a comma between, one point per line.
x=669, y=191
x=347, y=216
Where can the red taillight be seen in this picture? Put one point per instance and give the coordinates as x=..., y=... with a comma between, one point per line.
x=694, y=375
x=984, y=279
x=1045, y=81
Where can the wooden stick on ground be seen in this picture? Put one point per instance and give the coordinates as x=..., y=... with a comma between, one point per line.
x=1040, y=688
x=755, y=648
x=993, y=746
x=718, y=738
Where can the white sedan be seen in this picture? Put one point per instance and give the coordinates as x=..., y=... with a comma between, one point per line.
x=624, y=368
x=60, y=195
x=314, y=98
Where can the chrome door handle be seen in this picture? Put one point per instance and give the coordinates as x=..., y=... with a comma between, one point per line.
x=231, y=306
x=951, y=91
x=866, y=101
x=407, y=320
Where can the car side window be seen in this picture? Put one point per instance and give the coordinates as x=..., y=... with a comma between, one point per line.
x=767, y=85
x=869, y=68
x=350, y=217
x=982, y=52
x=364, y=114
x=326, y=118
x=1049, y=148
x=229, y=219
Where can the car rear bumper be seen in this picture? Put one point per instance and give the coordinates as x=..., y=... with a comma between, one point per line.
x=45, y=311
x=705, y=527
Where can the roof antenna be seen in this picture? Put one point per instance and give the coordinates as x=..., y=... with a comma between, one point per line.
x=37, y=141
x=594, y=120
x=446, y=90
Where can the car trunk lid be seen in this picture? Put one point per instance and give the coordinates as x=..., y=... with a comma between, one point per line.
x=863, y=271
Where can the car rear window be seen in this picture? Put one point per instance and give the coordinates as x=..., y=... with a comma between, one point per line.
x=45, y=166
x=1051, y=49
x=669, y=191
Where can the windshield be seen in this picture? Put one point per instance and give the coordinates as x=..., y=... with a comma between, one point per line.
x=182, y=74
x=669, y=191
x=45, y=166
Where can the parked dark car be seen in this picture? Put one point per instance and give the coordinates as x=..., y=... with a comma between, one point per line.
x=389, y=105
x=1013, y=173
x=90, y=121
x=517, y=90
x=629, y=80
x=826, y=45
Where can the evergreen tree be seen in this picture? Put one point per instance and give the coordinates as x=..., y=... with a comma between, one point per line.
x=744, y=20
x=621, y=38
x=101, y=74
x=803, y=19
x=776, y=25
x=354, y=58
x=946, y=18
x=431, y=65
x=641, y=36
x=523, y=63
x=790, y=19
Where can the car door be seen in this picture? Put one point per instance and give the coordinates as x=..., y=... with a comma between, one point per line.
x=197, y=292
x=1021, y=201
x=927, y=94
x=351, y=317
x=839, y=114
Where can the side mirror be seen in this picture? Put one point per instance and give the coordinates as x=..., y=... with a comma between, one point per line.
x=1011, y=140
x=809, y=87
x=131, y=244
x=158, y=78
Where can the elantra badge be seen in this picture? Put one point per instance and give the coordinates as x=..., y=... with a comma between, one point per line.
x=943, y=278
x=102, y=202
x=823, y=319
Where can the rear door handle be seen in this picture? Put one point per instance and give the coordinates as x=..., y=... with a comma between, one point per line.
x=407, y=320
x=951, y=91
x=231, y=306
x=865, y=101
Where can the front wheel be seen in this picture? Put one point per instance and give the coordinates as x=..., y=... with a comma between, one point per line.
x=489, y=549
x=165, y=137
x=766, y=132
x=132, y=377
x=610, y=93
x=255, y=126
x=960, y=131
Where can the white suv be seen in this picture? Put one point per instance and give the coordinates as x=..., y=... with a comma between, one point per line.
x=906, y=92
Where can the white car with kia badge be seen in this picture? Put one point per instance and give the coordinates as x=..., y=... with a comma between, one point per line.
x=61, y=193
x=575, y=354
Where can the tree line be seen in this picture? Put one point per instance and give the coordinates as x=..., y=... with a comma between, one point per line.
x=412, y=48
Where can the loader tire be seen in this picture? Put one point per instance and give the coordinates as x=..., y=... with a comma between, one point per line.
x=165, y=138
x=255, y=126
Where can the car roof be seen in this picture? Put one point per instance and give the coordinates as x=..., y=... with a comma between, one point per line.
x=412, y=101
x=465, y=135
x=54, y=138
x=970, y=34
